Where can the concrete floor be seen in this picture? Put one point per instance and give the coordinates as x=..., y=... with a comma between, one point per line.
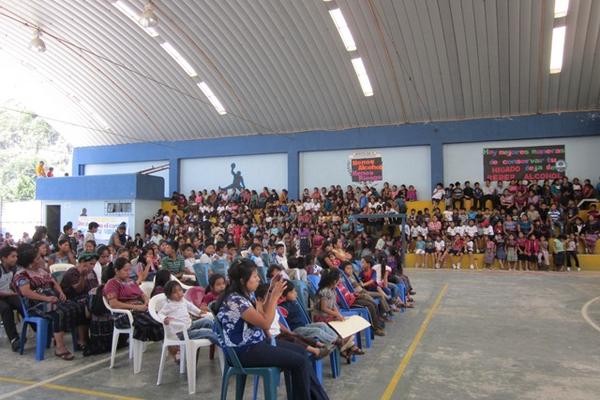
x=496, y=335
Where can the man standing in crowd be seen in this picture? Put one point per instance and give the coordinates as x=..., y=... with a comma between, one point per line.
x=9, y=301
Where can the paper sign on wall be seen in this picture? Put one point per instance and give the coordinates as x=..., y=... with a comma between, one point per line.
x=366, y=167
x=530, y=163
x=107, y=226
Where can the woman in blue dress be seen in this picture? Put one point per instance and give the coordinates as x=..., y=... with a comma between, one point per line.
x=244, y=331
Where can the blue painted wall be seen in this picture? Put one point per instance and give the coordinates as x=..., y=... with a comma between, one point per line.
x=100, y=187
x=433, y=134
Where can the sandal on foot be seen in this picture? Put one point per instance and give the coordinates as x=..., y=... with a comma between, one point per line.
x=67, y=356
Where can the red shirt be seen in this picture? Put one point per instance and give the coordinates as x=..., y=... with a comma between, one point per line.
x=350, y=297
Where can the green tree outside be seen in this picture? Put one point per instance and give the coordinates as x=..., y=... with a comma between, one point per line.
x=25, y=140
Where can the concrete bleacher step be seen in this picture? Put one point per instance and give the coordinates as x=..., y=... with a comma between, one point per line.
x=588, y=262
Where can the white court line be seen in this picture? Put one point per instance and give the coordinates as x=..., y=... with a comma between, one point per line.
x=584, y=313
x=60, y=376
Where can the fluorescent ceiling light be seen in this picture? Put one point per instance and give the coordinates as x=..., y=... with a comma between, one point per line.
x=132, y=15
x=212, y=98
x=561, y=7
x=558, y=46
x=342, y=27
x=183, y=63
x=363, y=78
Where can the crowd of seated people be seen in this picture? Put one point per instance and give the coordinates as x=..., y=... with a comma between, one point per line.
x=270, y=239
x=520, y=225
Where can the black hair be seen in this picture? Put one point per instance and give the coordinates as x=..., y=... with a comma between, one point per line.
x=239, y=274
x=279, y=245
x=273, y=268
x=170, y=288
x=328, y=278
x=174, y=245
x=220, y=245
x=8, y=250
x=288, y=288
x=142, y=257
x=162, y=277
x=344, y=264
x=93, y=225
x=212, y=280
x=254, y=246
x=40, y=232
x=120, y=263
x=26, y=254
x=92, y=242
x=369, y=260
x=261, y=291
x=63, y=241
x=101, y=249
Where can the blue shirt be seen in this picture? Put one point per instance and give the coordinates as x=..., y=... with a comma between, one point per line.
x=237, y=332
x=295, y=319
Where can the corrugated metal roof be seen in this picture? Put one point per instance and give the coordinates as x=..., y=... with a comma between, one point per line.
x=280, y=66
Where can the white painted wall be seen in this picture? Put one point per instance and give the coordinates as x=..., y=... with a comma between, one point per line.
x=71, y=210
x=128, y=168
x=20, y=216
x=143, y=209
x=211, y=173
x=401, y=165
x=464, y=161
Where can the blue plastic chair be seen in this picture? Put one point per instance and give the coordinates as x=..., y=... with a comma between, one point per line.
x=220, y=267
x=313, y=284
x=303, y=292
x=43, y=332
x=334, y=356
x=317, y=364
x=233, y=367
x=262, y=273
x=345, y=310
x=201, y=272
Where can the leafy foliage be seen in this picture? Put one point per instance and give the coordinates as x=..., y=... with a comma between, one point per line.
x=25, y=139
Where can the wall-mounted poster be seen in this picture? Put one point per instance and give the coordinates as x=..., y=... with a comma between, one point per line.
x=107, y=226
x=366, y=167
x=530, y=163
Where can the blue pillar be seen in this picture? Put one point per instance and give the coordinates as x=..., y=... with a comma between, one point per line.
x=293, y=174
x=173, y=175
x=437, y=162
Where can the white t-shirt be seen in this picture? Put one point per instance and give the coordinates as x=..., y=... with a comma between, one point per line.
x=451, y=231
x=439, y=245
x=471, y=231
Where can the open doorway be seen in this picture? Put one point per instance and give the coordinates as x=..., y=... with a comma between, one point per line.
x=53, y=223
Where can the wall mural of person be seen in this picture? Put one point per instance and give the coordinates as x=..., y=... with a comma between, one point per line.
x=238, y=180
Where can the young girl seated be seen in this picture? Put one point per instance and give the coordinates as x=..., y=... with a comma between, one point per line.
x=216, y=286
x=297, y=321
x=177, y=310
x=326, y=309
x=279, y=331
x=360, y=291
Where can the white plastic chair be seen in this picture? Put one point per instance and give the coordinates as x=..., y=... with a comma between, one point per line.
x=188, y=347
x=58, y=270
x=147, y=288
x=60, y=267
x=136, y=347
x=183, y=285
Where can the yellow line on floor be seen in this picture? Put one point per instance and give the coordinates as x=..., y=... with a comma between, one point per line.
x=46, y=382
x=389, y=391
x=68, y=389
